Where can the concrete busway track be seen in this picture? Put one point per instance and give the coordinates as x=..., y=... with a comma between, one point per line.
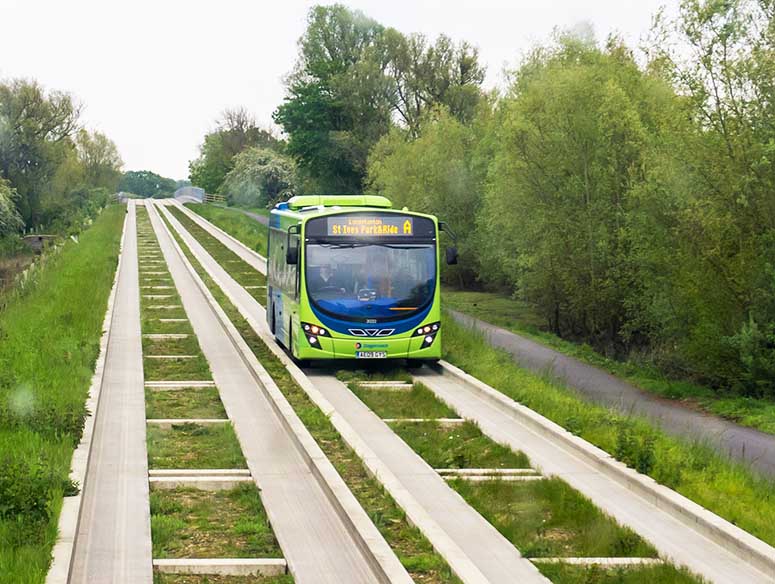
x=321, y=540
x=681, y=530
x=473, y=548
x=113, y=538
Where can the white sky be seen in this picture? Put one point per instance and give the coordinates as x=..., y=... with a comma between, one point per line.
x=154, y=75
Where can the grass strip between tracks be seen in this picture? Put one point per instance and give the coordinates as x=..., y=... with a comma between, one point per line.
x=49, y=342
x=232, y=221
x=411, y=547
x=159, y=578
x=186, y=522
x=189, y=523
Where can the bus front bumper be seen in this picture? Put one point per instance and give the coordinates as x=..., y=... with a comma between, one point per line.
x=370, y=348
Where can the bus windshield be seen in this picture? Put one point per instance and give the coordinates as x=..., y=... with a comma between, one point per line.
x=360, y=281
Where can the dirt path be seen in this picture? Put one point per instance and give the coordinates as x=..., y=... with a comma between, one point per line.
x=741, y=443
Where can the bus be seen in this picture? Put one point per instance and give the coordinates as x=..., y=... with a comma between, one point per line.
x=349, y=277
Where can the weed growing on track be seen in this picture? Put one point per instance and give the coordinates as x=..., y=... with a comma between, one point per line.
x=237, y=268
x=548, y=518
x=660, y=574
x=188, y=403
x=194, y=446
x=415, y=552
x=159, y=578
x=49, y=341
x=246, y=229
x=458, y=446
x=696, y=471
x=189, y=523
x=417, y=403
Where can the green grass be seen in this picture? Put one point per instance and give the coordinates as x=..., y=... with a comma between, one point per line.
x=49, y=341
x=194, y=446
x=242, y=272
x=661, y=574
x=417, y=403
x=458, y=446
x=177, y=369
x=159, y=578
x=189, y=403
x=411, y=547
x=696, y=471
x=189, y=523
x=520, y=318
x=246, y=229
x=548, y=518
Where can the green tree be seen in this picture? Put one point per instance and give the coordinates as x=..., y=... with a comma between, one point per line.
x=99, y=158
x=35, y=132
x=235, y=131
x=10, y=220
x=146, y=184
x=260, y=177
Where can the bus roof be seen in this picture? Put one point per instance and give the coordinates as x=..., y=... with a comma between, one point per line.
x=301, y=201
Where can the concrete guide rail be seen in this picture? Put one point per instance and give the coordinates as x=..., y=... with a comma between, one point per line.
x=113, y=539
x=681, y=530
x=323, y=532
x=474, y=549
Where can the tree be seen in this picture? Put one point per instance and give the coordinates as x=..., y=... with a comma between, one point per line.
x=260, y=177
x=100, y=159
x=35, y=132
x=10, y=220
x=235, y=131
x=146, y=184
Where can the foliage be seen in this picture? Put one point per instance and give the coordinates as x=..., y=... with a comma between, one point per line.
x=236, y=131
x=51, y=162
x=354, y=80
x=10, y=220
x=50, y=340
x=146, y=184
x=260, y=177
x=631, y=205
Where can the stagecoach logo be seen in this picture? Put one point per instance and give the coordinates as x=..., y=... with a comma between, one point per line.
x=371, y=332
x=371, y=345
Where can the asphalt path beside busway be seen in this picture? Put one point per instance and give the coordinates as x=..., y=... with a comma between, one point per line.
x=747, y=445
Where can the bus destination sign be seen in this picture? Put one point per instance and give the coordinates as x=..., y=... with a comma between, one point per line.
x=371, y=226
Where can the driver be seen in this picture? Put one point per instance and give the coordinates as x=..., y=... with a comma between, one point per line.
x=326, y=278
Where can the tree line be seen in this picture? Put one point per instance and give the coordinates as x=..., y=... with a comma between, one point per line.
x=628, y=195
x=54, y=173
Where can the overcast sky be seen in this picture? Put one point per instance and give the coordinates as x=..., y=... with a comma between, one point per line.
x=154, y=75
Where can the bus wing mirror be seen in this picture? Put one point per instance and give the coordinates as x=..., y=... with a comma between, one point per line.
x=292, y=246
x=451, y=256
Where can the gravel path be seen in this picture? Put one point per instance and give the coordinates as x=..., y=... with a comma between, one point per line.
x=741, y=443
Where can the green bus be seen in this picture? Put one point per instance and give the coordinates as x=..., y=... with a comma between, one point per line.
x=348, y=277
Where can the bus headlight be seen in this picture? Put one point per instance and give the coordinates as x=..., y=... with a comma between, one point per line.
x=428, y=329
x=312, y=332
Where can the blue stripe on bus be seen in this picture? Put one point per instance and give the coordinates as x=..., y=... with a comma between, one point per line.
x=400, y=326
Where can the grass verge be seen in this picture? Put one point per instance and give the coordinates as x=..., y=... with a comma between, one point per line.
x=413, y=550
x=694, y=470
x=417, y=403
x=189, y=523
x=518, y=317
x=49, y=342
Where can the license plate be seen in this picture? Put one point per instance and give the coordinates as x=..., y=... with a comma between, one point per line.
x=371, y=354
